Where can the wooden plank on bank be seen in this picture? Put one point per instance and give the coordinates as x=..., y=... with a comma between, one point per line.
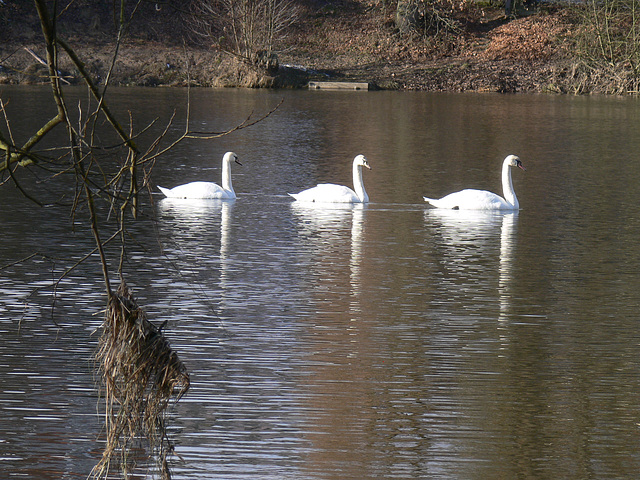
x=338, y=86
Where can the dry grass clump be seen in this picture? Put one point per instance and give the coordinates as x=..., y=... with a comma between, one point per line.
x=608, y=79
x=140, y=373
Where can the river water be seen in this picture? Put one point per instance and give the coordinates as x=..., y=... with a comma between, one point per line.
x=384, y=341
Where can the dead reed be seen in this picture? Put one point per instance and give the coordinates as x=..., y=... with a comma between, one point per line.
x=140, y=374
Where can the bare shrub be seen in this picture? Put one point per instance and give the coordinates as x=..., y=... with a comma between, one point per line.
x=607, y=46
x=250, y=29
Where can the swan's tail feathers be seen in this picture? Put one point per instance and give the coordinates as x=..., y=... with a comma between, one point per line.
x=431, y=201
x=294, y=195
x=166, y=191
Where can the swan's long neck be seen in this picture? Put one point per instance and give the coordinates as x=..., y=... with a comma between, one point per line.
x=507, y=186
x=226, y=176
x=358, y=183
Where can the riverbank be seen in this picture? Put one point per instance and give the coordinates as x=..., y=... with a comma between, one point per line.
x=488, y=52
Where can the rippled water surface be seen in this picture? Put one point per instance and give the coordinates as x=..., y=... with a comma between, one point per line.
x=382, y=341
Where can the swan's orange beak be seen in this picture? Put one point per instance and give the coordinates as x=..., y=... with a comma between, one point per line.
x=520, y=165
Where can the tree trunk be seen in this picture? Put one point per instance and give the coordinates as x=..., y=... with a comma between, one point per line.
x=407, y=15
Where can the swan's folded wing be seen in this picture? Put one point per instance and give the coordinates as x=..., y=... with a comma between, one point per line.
x=470, y=199
x=197, y=190
x=327, y=193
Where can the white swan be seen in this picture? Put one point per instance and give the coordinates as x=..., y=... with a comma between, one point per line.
x=471, y=199
x=207, y=189
x=332, y=193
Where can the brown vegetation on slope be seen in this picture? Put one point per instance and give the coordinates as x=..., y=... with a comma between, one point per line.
x=487, y=52
x=479, y=50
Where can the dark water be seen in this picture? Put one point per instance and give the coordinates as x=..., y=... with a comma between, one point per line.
x=384, y=341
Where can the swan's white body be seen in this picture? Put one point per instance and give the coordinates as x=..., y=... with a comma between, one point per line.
x=471, y=199
x=207, y=189
x=332, y=193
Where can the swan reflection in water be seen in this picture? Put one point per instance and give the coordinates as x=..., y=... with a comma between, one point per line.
x=507, y=247
x=471, y=240
x=197, y=225
x=335, y=234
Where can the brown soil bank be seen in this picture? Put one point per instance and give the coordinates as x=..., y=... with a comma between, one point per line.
x=349, y=41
